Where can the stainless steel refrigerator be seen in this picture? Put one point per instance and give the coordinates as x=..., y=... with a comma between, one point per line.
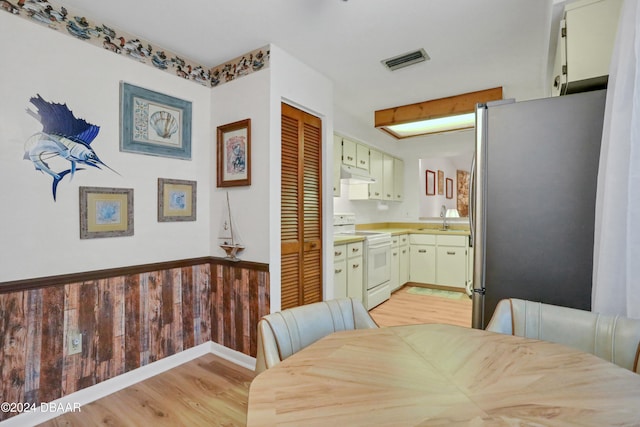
x=533, y=201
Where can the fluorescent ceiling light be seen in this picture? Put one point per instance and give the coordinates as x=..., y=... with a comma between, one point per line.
x=442, y=124
x=434, y=116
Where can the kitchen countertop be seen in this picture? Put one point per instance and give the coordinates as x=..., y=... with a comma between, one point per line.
x=401, y=228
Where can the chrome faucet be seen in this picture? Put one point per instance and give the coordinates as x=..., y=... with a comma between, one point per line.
x=443, y=215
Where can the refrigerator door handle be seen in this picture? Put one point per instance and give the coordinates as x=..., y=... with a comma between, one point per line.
x=478, y=208
x=472, y=201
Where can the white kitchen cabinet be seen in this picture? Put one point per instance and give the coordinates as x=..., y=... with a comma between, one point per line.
x=451, y=261
x=337, y=161
x=355, y=154
x=355, y=271
x=394, y=283
x=439, y=260
x=376, y=167
x=585, y=44
x=387, y=177
x=340, y=271
x=398, y=180
x=403, y=248
x=399, y=261
x=422, y=258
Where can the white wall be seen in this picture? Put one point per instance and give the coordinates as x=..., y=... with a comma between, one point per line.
x=247, y=97
x=429, y=206
x=40, y=237
x=294, y=83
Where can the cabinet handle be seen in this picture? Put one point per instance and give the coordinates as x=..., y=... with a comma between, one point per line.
x=395, y=253
x=349, y=158
x=355, y=250
x=337, y=253
x=422, y=251
x=356, y=265
x=339, y=271
x=377, y=194
x=450, y=253
x=362, y=162
x=388, y=195
x=404, y=251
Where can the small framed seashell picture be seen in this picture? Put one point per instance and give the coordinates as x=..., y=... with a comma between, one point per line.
x=154, y=123
x=234, y=154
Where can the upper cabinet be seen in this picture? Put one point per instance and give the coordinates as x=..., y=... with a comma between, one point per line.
x=585, y=43
x=398, y=180
x=386, y=170
x=355, y=154
x=337, y=159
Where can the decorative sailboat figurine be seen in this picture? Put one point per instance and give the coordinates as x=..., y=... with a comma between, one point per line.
x=228, y=237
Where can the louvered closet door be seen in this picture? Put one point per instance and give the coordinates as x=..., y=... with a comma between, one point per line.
x=301, y=208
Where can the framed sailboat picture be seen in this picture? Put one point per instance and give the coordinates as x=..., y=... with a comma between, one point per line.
x=234, y=154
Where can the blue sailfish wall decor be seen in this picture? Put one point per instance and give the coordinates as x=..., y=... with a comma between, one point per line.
x=64, y=136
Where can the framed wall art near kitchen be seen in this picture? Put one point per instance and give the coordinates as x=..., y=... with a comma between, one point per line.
x=176, y=200
x=440, y=182
x=106, y=212
x=153, y=123
x=431, y=183
x=449, y=188
x=234, y=154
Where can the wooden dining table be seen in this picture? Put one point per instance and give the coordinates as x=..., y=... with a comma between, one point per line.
x=442, y=375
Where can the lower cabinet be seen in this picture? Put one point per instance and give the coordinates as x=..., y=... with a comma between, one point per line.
x=399, y=261
x=348, y=278
x=403, y=247
x=355, y=271
x=340, y=271
x=439, y=260
x=422, y=258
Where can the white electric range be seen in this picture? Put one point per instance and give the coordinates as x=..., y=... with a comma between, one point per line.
x=376, y=258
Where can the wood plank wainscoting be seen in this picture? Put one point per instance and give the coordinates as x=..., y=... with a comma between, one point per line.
x=128, y=317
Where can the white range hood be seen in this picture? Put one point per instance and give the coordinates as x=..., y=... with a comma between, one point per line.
x=355, y=175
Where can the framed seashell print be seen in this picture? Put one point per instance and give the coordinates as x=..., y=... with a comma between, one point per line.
x=234, y=154
x=154, y=123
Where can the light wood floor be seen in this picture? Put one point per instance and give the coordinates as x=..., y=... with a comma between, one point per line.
x=409, y=309
x=210, y=391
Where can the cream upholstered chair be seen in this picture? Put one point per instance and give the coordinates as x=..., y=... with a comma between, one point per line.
x=286, y=332
x=613, y=338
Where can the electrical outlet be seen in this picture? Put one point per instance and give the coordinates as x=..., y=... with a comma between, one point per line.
x=75, y=343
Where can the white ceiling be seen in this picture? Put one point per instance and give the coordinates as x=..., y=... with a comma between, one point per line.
x=473, y=44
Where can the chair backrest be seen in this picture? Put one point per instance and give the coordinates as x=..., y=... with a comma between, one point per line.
x=613, y=338
x=286, y=332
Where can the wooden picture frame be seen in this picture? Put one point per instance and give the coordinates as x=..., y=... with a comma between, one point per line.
x=153, y=123
x=106, y=212
x=431, y=182
x=449, y=188
x=177, y=200
x=234, y=154
x=440, y=182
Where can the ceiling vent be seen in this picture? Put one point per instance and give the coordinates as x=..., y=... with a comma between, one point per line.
x=405, y=59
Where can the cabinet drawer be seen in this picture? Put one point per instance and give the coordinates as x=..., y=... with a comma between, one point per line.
x=339, y=253
x=354, y=249
x=423, y=239
x=452, y=240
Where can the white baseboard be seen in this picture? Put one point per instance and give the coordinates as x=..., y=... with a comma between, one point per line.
x=87, y=395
